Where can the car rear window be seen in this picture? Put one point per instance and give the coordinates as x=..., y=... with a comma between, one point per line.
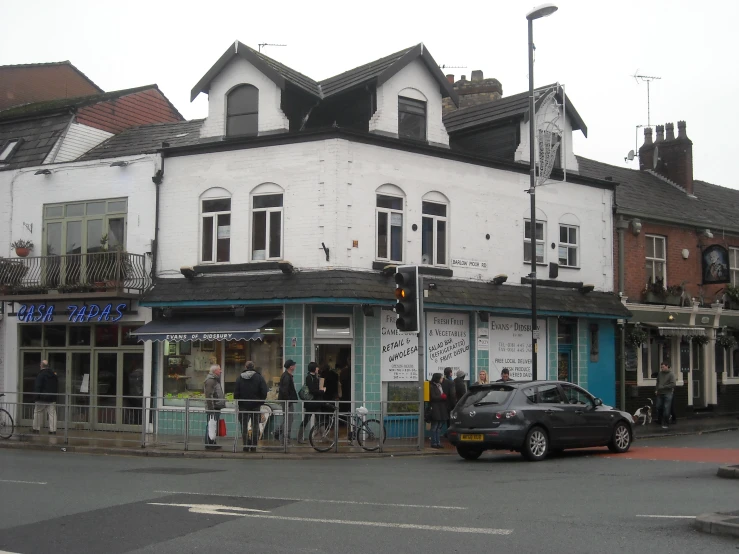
x=497, y=394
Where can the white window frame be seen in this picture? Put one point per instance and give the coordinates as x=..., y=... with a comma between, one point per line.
x=734, y=265
x=672, y=349
x=654, y=259
x=435, y=219
x=267, y=219
x=543, y=241
x=348, y=335
x=389, y=212
x=569, y=245
x=730, y=374
x=214, y=244
x=9, y=149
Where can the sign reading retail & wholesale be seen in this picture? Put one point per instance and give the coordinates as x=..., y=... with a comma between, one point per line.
x=510, y=346
x=399, y=351
x=447, y=342
x=87, y=313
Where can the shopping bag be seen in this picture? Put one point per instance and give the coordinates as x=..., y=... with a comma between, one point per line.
x=221, y=427
x=212, y=428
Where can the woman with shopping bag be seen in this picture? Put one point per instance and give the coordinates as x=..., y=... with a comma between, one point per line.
x=214, y=403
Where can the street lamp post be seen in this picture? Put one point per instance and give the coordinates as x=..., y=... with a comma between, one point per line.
x=541, y=11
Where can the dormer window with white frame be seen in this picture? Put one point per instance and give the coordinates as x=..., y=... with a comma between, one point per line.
x=242, y=111
x=411, y=118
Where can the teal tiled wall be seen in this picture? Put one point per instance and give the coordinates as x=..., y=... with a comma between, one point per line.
x=552, y=350
x=582, y=353
x=373, y=385
x=483, y=354
x=358, y=353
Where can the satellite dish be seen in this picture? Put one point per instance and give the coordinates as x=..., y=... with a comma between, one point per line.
x=630, y=156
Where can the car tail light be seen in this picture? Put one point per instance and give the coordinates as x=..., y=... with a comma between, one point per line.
x=508, y=414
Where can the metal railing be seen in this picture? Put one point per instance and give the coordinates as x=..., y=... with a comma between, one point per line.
x=150, y=422
x=96, y=272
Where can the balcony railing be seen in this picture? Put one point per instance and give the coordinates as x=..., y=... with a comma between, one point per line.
x=112, y=272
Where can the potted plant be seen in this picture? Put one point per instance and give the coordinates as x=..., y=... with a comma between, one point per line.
x=22, y=247
x=674, y=295
x=654, y=291
x=732, y=295
x=701, y=340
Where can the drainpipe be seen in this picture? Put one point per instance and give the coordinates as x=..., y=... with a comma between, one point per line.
x=621, y=226
x=157, y=180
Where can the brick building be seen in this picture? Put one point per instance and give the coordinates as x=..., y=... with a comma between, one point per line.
x=676, y=255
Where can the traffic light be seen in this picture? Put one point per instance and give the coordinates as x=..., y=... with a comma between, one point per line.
x=406, y=296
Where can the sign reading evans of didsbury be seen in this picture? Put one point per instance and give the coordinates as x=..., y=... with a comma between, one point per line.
x=399, y=351
x=510, y=346
x=447, y=342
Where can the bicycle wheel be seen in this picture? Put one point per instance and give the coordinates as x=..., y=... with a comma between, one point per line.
x=369, y=435
x=6, y=425
x=321, y=436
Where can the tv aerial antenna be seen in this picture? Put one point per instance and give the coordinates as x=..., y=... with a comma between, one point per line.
x=444, y=66
x=646, y=79
x=261, y=44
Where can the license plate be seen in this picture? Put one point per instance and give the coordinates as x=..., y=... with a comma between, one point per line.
x=471, y=437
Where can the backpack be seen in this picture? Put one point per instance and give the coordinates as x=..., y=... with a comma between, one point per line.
x=304, y=393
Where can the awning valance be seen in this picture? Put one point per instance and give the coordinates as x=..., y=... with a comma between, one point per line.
x=681, y=331
x=204, y=328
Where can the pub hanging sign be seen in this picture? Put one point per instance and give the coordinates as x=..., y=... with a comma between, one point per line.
x=86, y=313
x=715, y=260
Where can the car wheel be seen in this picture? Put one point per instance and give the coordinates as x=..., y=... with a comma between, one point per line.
x=621, y=439
x=536, y=446
x=469, y=453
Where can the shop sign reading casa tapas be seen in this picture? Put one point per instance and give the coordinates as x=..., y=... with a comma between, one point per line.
x=87, y=313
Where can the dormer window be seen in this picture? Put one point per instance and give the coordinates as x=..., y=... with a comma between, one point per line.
x=411, y=118
x=8, y=149
x=242, y=111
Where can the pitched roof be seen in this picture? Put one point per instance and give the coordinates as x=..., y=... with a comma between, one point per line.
x=377, y=71
x=147, y=139
x=359, y=285
x=52, y=64
x=274, y=70
x=381, y=70
x=38, y=137
x=516, y=105
x=643, y=194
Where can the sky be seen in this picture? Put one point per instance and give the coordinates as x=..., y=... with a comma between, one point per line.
x=593, y=47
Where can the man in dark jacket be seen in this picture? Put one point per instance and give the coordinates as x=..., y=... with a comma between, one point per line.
x=288, y=395
x=459, y=385
x=447, y=386
x=312, y=408
x=250, y=390
x=46, y=388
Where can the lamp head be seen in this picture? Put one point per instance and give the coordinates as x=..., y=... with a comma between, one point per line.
x=541, y=11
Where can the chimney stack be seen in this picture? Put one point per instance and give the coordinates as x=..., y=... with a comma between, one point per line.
x=450, y=78
x=477, y=91
x=660, y=133
x=670, y=131
x=477, y=75
x=676, y=157
x=646, y=151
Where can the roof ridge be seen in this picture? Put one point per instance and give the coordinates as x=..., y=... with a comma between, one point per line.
x=280, y=63
x=40, y=64
x=669, y=182
x=399, y=53
x=516, y=96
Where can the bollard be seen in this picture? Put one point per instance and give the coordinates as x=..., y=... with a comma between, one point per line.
x=67, y=415
x=187, y=421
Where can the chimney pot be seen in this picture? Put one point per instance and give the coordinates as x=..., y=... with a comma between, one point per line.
x=647, y=135
x=660, y=133
x=450, y=78
x=477, y=75
x=681, y=132
x=670, y=131
x=464, y=78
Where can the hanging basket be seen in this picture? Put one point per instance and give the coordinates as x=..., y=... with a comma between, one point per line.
x=637, y=336
x=700, y=339
x=727, y=341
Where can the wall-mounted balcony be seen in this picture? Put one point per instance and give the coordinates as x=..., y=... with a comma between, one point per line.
x=102, y=274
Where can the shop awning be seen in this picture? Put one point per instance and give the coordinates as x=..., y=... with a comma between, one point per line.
x=204, y=328
x=680, y=331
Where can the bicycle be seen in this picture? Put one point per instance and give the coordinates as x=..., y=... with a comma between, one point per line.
x=6, y=423
x=368, y=432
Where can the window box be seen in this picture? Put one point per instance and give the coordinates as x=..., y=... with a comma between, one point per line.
x=673, y=300
x=654, y=298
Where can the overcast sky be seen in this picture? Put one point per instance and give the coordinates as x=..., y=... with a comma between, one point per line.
x=591, y=49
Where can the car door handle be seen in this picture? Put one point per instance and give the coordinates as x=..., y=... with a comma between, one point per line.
x=578, y=412
x=549, y=412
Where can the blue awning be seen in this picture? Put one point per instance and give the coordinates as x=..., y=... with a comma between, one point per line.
x=204, y=328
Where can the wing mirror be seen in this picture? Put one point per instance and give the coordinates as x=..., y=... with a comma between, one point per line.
x=598, y=402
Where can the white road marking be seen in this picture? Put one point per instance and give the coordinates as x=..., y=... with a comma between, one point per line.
x=666, y=517
x=319, y=500
x=23, y=482
x=6, y=552
x=213, y=509
x=476, y=530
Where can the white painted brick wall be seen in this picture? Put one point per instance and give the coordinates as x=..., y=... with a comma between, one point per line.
x=330, y=189
x=414, y=76
x=237, y=72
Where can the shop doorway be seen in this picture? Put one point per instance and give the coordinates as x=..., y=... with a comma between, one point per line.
x=334, y=363
x=564, y=364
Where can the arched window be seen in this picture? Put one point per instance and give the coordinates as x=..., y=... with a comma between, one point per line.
x=389, y=223
x=434, y=229
x=242, y=112
x=266, y=222
x=215, y=226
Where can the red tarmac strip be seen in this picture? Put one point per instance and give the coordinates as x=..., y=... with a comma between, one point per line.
x=712, y=455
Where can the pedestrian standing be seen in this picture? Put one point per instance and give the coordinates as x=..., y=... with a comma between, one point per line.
x=449, y=388
x=214, y=403
x=311, y=408
x=46, y=388
x=664, y=391
x=459, y=385
x=439, y=412
x=287, y=393
x=505, y=375
x=482, y=378
x=250, y=389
